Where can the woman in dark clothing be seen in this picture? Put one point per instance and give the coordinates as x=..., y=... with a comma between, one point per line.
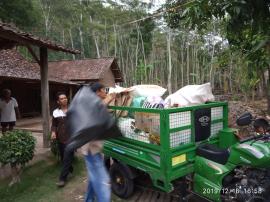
x=59, y=133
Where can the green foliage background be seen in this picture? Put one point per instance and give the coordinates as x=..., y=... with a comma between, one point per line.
x=212, y=40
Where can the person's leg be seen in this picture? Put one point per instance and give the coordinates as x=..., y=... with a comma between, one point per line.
x=67, y=163
x=11, y=126
x=71, y=155
x=99, y=177
x=61, y=148
x=89, y=196
x=71, y=167
x=4, y=127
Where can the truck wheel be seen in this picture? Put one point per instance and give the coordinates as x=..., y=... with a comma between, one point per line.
x=122, y=185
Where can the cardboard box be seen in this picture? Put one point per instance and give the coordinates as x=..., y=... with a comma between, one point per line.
x=122, y=99
x=148, y=122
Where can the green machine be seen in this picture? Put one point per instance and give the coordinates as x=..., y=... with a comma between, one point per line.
x=190, y=145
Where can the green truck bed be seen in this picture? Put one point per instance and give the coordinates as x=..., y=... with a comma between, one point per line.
x=161, y=142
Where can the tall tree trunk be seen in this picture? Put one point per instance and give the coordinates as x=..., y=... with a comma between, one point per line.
x=144, y=60
x=81, y=32
x=211, y=68
x=106, y=39
x=193, y=61
x=230, y=75
x=188, y=73
x=137, y=46
x=197, y=67
x=151, y=73
x=81, y=40
x=268, y=91
x=175, y=77
x=63, y=37
x=169, y=62
x=46, y=12
x=129, y=66
x=182, y=65
x=225, y=82
x=95, y=38
x=212, y=76
x=115, y=40
x=131, y=61
x=142, y=44
x=72, y=44
x=121, y=56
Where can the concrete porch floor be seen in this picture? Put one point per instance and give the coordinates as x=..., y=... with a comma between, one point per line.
x=31, y=124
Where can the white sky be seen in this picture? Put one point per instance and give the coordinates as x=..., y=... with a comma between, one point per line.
x=157, y=3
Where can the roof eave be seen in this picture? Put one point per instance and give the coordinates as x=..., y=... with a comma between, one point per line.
x=21, y=38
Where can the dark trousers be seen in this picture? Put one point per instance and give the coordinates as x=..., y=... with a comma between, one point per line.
x=66, y=158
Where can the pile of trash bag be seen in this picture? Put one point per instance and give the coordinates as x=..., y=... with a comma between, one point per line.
x=88, y=118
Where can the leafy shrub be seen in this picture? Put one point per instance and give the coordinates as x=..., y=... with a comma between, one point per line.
x=54, y=148
x=17, y=147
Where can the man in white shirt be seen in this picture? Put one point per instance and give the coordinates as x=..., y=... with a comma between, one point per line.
x=9, y=110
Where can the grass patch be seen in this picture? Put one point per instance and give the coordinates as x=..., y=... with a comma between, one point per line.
x=38, y=182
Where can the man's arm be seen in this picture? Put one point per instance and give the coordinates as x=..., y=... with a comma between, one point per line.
x=109, y=98
x=17, y=111
x=53, y=128
x=16, y=108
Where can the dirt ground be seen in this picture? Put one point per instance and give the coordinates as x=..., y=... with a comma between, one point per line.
x=75, y=189
x=257, y=109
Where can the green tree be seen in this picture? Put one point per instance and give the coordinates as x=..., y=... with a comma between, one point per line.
x=20, y=12
x=245, y=25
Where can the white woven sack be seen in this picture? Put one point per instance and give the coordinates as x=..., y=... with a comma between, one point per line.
x=148, y=90
x=190, y=95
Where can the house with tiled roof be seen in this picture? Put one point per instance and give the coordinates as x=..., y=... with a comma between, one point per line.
x=104, y=70
x=23, y=78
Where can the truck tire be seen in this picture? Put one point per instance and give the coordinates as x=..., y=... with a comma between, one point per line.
x=122, y=184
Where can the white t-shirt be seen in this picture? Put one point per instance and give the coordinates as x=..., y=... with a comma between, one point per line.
x=7, y=110
x=58, y=113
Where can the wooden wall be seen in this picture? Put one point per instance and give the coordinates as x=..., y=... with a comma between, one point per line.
x=28, y=94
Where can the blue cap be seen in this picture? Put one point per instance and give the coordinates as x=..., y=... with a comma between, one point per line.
x=96, y=86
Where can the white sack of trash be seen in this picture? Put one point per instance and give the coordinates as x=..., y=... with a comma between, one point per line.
x=190, y=95
x=147, y=90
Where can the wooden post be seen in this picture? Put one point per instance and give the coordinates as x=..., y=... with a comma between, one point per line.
x=45, y=95
x=70, y=93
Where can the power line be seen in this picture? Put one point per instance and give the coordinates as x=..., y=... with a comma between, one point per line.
x=172, y=9
x=154, y=15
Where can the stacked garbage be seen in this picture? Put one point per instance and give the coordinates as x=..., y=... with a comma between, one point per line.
x=145, y=126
